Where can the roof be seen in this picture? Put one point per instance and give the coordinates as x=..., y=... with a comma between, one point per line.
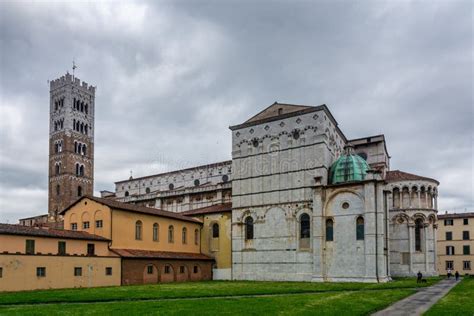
x=397, y=175
x=215, y=164
x=271, y=113
x=133, y=208
x=218, y=208
x=9, y=229
x=34, y=217
x=148, y=254
x=456, y=215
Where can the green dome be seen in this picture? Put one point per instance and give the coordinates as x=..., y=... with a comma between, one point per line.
x=349, y=167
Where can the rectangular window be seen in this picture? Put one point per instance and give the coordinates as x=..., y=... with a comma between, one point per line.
x=30, y=247
x=108, y=271
x=85, y=225
x=195, y=269
x=449, y=235
x=466, y=221
x=73, y=226
x=77, y=271
x=448, y=222
x=167, y=269
x=41, y=272
x=465, y=235
x=149, y=269
x=1, y=272
x=61, y=248
x=466, y=250
x=90, y=249
x=181, y=269
x=449, y=265
x=466, y=265
x=99, y=224
x=450, y=250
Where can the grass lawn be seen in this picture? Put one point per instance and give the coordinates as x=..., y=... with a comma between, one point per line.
x=459, y=301
x=291, y=298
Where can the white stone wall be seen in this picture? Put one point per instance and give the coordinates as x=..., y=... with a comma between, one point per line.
x=273, y=178
x=207, y=175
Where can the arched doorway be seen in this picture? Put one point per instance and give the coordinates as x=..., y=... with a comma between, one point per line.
x=167, y=273
x=182, y=274
x=150, y=274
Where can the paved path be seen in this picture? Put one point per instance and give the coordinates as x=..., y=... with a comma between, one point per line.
x=421, y=301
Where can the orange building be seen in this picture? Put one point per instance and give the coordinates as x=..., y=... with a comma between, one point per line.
x=155, y=245
x=41, y=258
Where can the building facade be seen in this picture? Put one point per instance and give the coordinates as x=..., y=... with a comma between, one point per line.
x=71, y=143
x=154, y=245
x=35, y=258
x=308, y=203
x=456, y=243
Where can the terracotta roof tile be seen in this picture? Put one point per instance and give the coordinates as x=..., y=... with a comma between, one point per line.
x=397, y=175
x=8, y=229
x=218, y=208
x=134, y=208
x=149, y=254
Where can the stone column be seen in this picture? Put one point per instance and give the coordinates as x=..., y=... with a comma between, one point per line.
x=419, y=198
x=411, y=242
x=425, y=234
x=435, y=238
x=317, y=222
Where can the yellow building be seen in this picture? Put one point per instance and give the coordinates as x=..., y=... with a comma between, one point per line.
x=155, y=245
x=216, y=237
x=455, y=244
x=41, y=258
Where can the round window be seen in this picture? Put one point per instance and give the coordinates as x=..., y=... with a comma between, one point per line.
x=171, y=186
x=196, y=182
x=225, y=178
x=345, y=205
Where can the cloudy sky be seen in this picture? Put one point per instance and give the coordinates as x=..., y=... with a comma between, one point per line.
x=172, y=76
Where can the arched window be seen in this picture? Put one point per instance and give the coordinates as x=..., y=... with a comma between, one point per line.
x=86, y=108
x=304, y=226
x=155, y=232
x=171, y=233
x=126, y=193
x=249, y=228
x=138, y=230
x=82, y=127
x=58, y=189
x=79, y=191
x=418, y=227
x=57, y=169
x=196, y=236
x=86, y=128
x=360, y=229
x=56, y=148
x=329, y=230
x=184, y=236
x=81, y=170
x=215, y=230
x=82, y=106
x=147, y=190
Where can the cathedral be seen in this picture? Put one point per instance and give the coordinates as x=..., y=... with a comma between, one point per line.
x=298, y=201
x=302, y=202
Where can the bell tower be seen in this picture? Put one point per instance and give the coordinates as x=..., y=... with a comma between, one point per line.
x=71, y=143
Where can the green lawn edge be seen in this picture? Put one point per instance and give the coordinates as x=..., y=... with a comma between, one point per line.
x=195, y=290
x=458, y=301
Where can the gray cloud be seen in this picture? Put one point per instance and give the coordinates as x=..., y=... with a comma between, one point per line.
x=172, y=76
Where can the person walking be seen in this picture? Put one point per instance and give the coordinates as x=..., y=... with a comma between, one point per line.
x=419, y=277
x=457, y=276
x=449, y=274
